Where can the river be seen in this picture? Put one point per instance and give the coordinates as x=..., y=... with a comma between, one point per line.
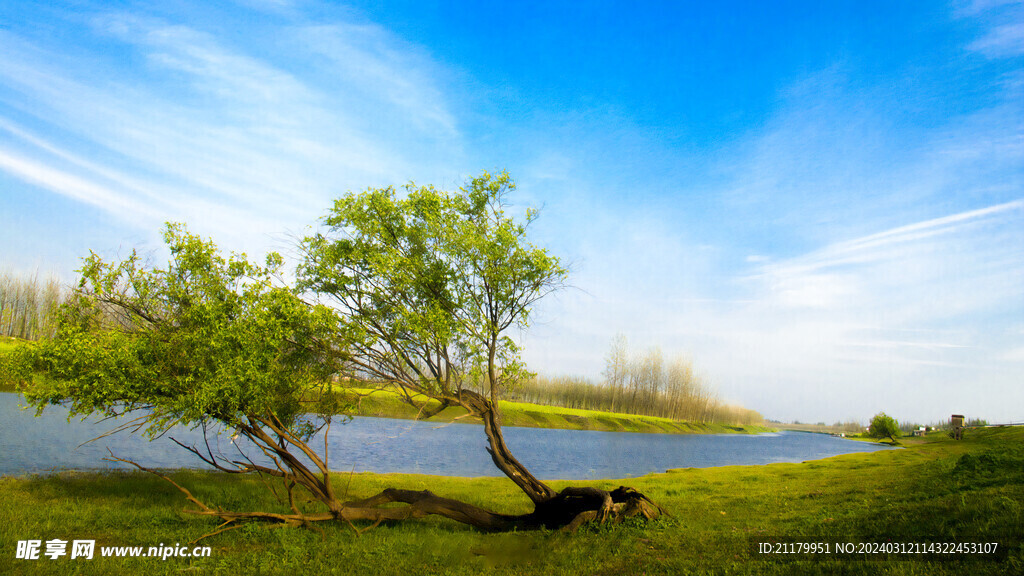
x=49, y=442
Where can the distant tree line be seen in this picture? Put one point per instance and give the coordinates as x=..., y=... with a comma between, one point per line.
x=27, y=305
x=856, y=427
x=847, y=427
x=637, y=384
x=909, y=427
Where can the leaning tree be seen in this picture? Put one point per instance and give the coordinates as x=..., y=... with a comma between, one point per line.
x=884, y=426
x=417, y=291
x=433, y=282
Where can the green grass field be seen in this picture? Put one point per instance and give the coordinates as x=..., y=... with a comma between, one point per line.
x=934, y=490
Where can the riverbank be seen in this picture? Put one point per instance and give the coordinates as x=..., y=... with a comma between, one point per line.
x=389, y=404
x=8, y=345
x=936, y=490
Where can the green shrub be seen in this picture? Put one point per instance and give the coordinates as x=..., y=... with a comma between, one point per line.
x=884, y=426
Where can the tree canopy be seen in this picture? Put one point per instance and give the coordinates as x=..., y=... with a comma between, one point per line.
x=432, y=281
x=884, y=426
x=205, y=341
x=206, y=338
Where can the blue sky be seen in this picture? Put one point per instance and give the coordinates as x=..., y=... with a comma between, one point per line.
x=820, y=204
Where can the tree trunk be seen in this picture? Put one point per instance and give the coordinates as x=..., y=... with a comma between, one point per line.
x=502, y=457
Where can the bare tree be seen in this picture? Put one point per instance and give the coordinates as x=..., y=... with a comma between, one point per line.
x=616, y=372
x=27, y=306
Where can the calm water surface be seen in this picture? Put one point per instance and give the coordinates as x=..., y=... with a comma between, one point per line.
x=49, y=442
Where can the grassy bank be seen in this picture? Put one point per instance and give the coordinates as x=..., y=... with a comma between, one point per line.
x=8, y=345
x=934, y=490
x=388, y=404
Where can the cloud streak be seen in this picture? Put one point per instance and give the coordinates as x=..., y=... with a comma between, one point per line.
x=224, y=131
x=893, y=244
x=69, y=185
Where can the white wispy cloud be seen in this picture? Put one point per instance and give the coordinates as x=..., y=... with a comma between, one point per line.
x=1002, y=24
x=891, y=244
x=220, y=134
x=973, y=7
x=69, y=185
x=1004, y=41
x=382, y=65
x=139, y=190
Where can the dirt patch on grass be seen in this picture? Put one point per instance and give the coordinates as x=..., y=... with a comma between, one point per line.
x=537, y=417
x=612, y=424
x=578, y=421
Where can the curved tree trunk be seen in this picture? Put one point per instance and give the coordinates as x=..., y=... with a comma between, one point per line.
x=502, y=457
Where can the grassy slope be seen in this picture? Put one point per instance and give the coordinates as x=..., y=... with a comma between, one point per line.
x=388, y=404
x=935, y=490
x=8, y=344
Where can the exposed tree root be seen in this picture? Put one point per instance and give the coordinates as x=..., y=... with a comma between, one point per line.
x=567, y=510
